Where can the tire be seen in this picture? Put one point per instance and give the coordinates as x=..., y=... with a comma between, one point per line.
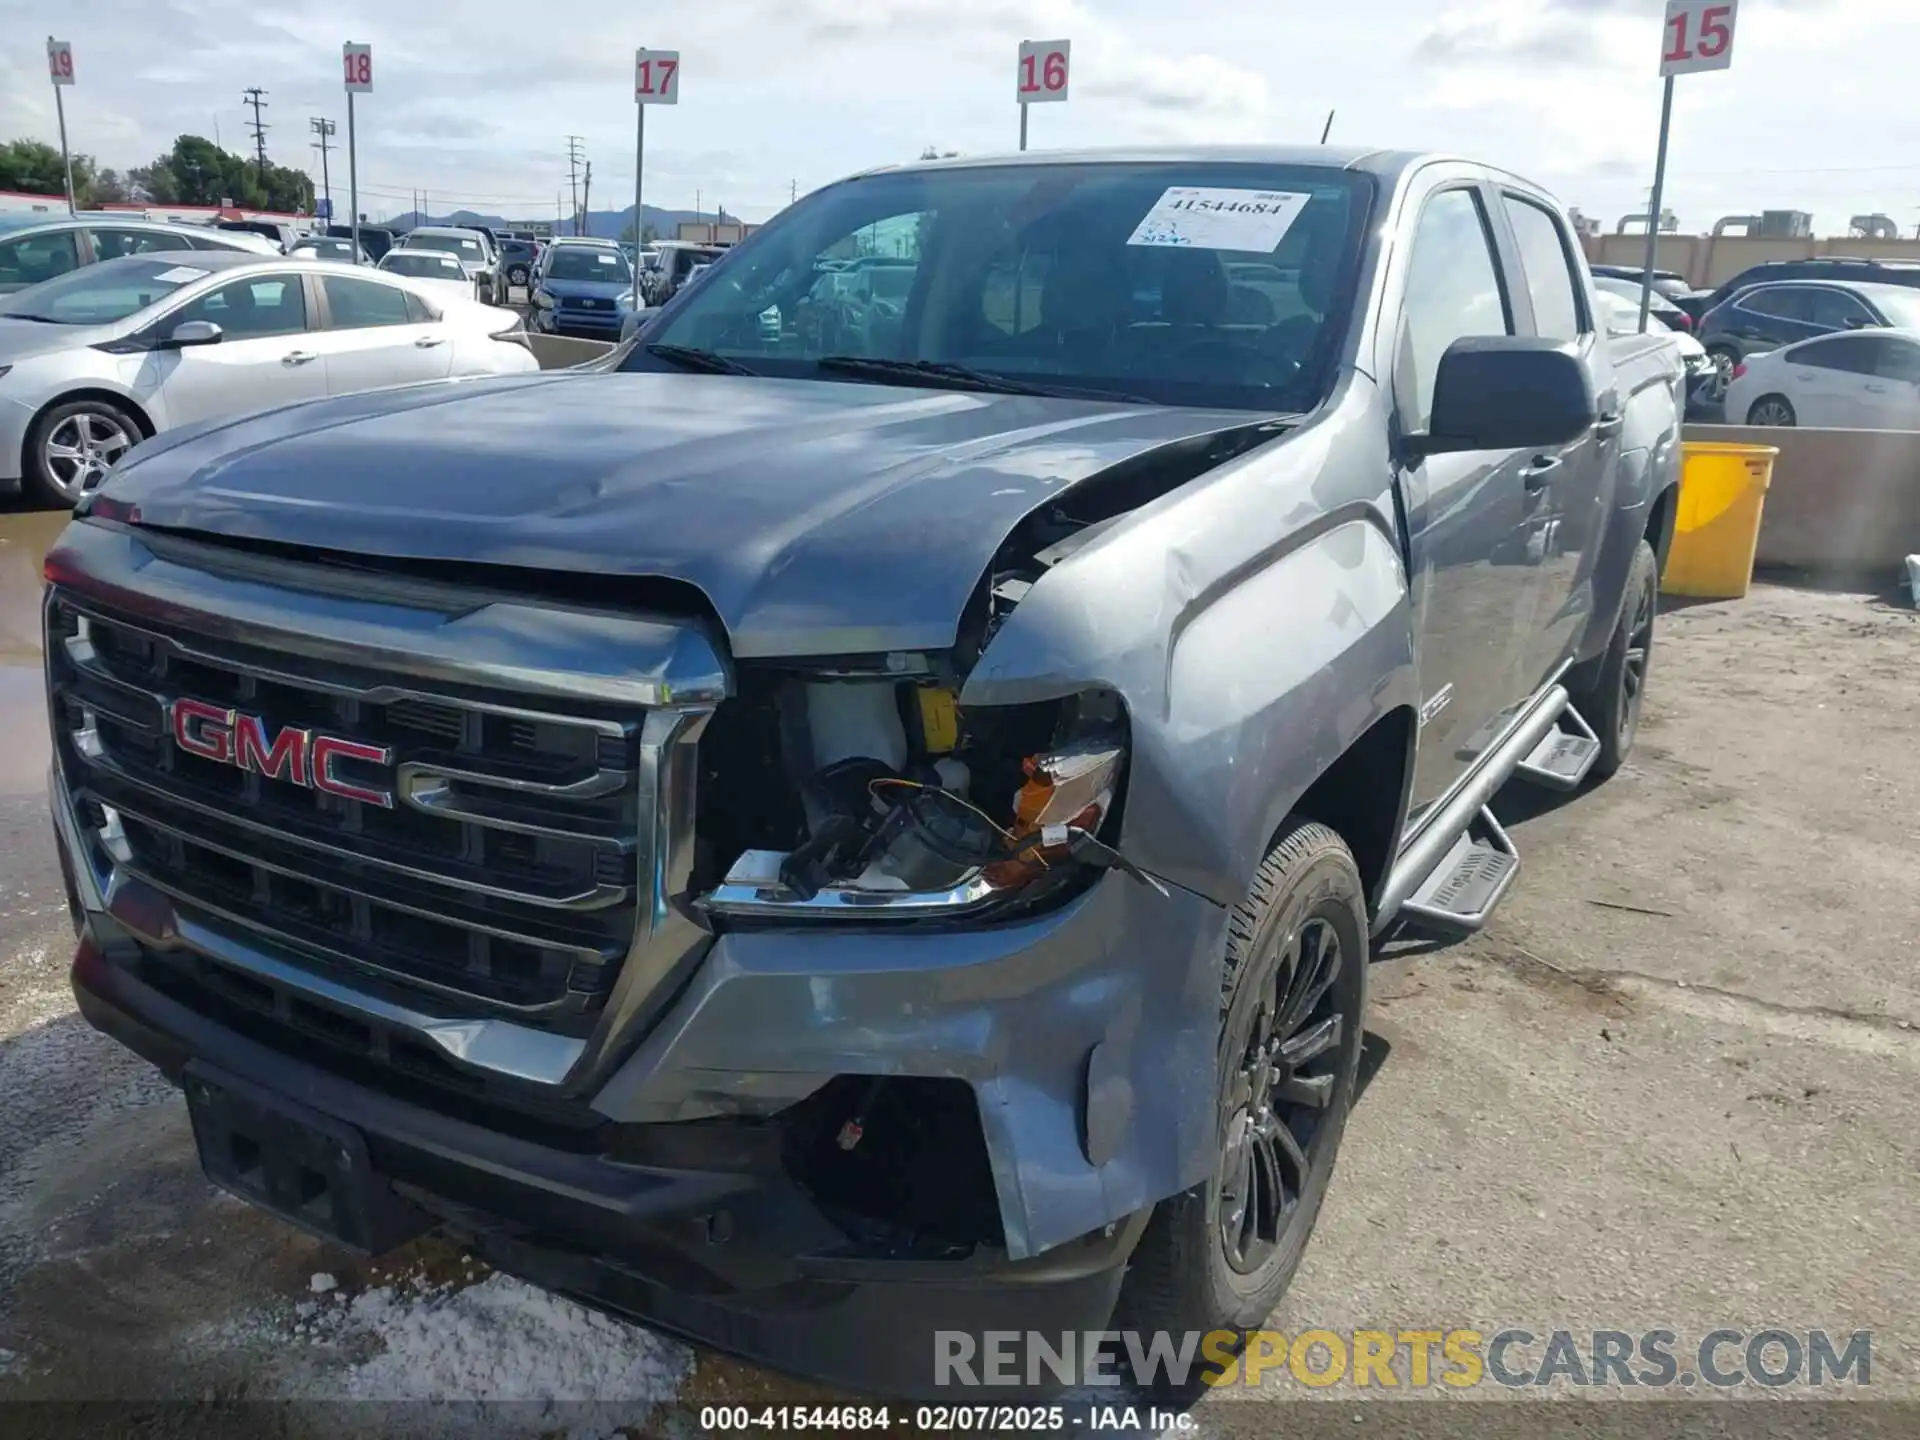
x=1611, y=701
x=517, y=276
x=1772, y=410
x=1724, y=358
x=96, y=432
x=1196, y=1267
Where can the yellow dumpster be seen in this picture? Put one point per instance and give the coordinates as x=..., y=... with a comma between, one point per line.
x=1722, y=491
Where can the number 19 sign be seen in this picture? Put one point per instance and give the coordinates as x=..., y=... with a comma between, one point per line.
x=60, y=61
x=1698, y=36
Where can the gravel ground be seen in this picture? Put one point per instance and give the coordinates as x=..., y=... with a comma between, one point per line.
x=1673, y=1086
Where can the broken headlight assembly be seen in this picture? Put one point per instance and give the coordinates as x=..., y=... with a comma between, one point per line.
x=908, y=808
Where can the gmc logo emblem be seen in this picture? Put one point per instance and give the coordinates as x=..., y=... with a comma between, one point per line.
x=300, y=757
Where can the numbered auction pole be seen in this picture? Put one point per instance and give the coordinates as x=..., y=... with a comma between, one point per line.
x=60, y=67
x=1697, y=35
x=358, y=60
x=656, y=81
x=1040, y=77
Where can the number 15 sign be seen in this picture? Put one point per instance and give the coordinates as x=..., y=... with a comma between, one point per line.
x=1698, y=36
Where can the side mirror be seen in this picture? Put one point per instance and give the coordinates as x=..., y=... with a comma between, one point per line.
x=1507, y=392
x=189, y=333
x=1854, y=322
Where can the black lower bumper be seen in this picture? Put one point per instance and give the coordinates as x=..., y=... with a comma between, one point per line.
x=735, y=1258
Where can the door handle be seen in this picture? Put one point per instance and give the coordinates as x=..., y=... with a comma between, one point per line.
x=427, y=342
x=1876, y=389
x=1538, y=475
x=298, y=357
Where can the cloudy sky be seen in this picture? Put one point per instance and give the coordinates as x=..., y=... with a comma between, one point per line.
x=474, y=99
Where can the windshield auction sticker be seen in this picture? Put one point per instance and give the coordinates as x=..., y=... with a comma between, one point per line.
x=1205, y=218
x=180, y=275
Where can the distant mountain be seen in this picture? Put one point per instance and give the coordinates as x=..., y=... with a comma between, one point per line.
x=608, y=224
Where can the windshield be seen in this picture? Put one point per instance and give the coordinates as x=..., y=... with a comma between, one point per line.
x=464, y=246
x=426, y=267
x=101, y=294
x=1901, y=307
x=583, y=262
x=1199, y=283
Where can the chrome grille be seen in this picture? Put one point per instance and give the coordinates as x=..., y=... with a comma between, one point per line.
x=504, y=876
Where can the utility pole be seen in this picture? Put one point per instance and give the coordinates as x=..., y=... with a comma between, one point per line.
x=252, y=97
x=793, y=191
x=323, y=129
x=576, y=152
x=586, y=201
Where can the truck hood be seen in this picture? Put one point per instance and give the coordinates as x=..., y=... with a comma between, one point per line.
x=817, y=517
x=587, y=289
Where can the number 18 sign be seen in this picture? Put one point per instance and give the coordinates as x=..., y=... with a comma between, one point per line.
x=1698, y=36
x=359, y=66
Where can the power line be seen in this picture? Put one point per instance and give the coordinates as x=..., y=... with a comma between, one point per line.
x=323, y=129
x=576, y=153
x=252, y=96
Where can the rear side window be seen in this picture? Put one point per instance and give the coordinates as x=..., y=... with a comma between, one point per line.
x=1854, y=354
x=360, y=304
x=1898, y=360
x=33, y=258
x=112, y=244
x=1550, y=282
x=1453, y=292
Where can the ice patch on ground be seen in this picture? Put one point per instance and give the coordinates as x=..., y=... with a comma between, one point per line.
x=528, y=1355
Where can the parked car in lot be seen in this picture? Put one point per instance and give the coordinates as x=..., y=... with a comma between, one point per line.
x=517, y=260
x=326, y=247
x=1869, y=380
x=93, y=362
x=433, y=271
x=674, y=261
x=1667, y=283
x=1765, y=317
x=1841, y=269
x=1659, y=307
x=281, y=236
x=376, y=240
x=583, y=288
x=850, y=844
x=43, y=249
x=1621, y=314
x=472, y=248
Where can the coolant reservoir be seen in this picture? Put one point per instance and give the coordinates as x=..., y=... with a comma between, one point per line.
x=849, y=718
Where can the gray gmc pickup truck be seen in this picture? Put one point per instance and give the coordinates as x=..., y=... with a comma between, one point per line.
x=864, y=813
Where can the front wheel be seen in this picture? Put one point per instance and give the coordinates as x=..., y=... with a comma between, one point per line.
x=72, y=448
x=1772, y=410
x=1293, y=997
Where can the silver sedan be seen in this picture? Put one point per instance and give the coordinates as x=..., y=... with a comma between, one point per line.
x=94, y=361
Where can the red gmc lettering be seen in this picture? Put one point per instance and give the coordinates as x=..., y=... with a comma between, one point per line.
x=284, y=759
x=203, y=730
x=326, y=750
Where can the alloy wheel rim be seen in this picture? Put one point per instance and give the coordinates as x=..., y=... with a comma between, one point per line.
x=1633, y=672
x=1770, y=412
x=1286, y=1069
x=81, y=451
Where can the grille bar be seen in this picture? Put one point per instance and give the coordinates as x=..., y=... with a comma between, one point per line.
x=521, y=863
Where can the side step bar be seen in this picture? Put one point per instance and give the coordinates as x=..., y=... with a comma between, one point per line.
x=1447, y=878
x=1563, y=757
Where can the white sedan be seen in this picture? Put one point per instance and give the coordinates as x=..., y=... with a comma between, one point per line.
x=1857, y=380
x=434, y=271
x=95, y=360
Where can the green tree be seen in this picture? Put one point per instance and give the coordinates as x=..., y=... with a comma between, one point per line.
x=33, y=166
x=198, y=172
x=107, y=189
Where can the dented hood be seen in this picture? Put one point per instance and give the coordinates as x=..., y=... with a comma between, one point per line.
x=817, y=517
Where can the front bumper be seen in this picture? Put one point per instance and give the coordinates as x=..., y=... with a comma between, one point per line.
x=594, y=324
x=1072, y=1030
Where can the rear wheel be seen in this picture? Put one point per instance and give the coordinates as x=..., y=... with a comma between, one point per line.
x=1220, y=1255
x=1611, y=701
x=1724, y=358
x=72, y=447
x=1772, y=410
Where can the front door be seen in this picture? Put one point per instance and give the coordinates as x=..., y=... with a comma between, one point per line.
x=1469, y=515
x=265, y=356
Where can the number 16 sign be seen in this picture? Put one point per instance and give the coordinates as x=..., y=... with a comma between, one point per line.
x=1698, y=36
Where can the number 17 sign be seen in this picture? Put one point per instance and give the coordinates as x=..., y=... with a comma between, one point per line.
x=1698, y=36
x=656, y=77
